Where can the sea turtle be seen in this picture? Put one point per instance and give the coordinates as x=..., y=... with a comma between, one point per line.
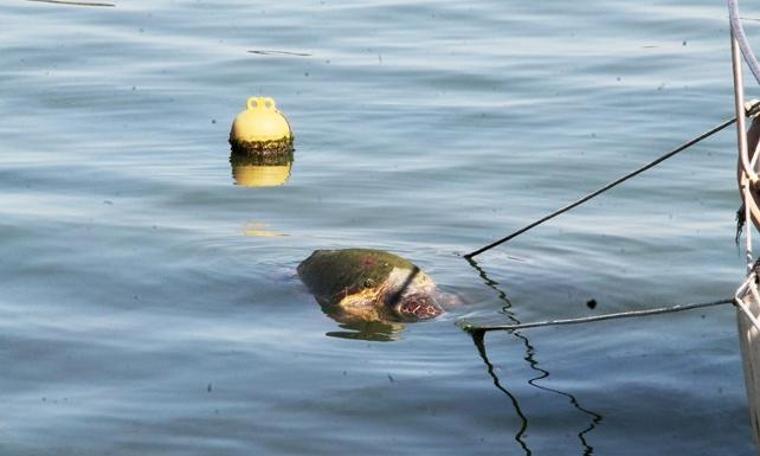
x=363, y=285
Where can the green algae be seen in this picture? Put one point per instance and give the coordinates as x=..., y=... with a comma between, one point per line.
x=272, y=159
x=273, y=148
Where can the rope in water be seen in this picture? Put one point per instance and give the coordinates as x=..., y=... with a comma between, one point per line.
x=725, y=124
x=471, y=327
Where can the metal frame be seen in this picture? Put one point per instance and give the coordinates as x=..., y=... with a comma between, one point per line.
x=748, y=178
x=747, y=297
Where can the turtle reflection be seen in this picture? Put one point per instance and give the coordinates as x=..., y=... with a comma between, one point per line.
x=261, y=170
x=375, y=331
x=371, y=292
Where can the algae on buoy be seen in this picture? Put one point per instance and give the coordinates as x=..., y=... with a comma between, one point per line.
x=261, y=130
x=261, y=171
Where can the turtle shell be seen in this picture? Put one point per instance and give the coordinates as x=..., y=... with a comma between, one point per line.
x=365, y=284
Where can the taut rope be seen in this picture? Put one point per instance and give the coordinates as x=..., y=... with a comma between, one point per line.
x=723, y=125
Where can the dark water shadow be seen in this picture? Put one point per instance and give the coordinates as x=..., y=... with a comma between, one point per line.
x=478, y=338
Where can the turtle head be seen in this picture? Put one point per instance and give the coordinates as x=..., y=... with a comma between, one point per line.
x=416, y=306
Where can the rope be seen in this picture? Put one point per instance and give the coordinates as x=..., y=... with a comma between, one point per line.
x=751, y=111
x=471, y=327
x=738, y=34
x=606, y=187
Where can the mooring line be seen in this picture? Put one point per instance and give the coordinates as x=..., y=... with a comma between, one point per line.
x=723, y=125
x=473, y=328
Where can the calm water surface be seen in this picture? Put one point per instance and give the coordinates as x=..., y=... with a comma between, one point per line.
x=149, y=305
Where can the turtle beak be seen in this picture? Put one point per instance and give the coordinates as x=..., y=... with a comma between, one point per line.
x=416, y=307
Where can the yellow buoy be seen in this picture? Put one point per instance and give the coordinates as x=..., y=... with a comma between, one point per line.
x=253, y=171
x=261, y=129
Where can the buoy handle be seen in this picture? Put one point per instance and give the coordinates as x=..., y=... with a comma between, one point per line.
x=260, y=103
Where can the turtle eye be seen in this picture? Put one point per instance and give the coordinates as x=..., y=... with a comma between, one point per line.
x=369, y=283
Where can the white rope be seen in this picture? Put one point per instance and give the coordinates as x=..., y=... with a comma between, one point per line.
x=749, y=285
x=737, y=31
x=474, y=327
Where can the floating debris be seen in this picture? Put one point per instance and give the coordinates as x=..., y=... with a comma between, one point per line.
x=74, y=3
x=271, y=52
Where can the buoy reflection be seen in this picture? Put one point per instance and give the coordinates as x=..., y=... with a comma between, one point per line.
x=258, y=171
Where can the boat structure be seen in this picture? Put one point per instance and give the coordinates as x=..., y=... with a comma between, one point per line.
x=747, y=296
